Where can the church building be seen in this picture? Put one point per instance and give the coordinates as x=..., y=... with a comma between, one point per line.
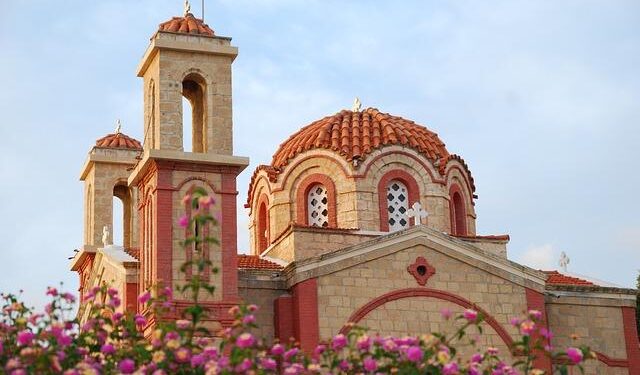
x=360, y=217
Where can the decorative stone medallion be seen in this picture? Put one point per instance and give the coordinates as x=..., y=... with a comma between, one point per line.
x=421, y=270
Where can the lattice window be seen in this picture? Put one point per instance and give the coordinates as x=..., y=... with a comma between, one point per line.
x=397, y=205
x=317, y=206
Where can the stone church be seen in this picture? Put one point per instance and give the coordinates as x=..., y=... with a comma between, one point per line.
x=361, y=217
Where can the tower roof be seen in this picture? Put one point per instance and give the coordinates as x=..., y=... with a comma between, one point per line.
x=188, y=24
x=354, y=134
x=119, y=140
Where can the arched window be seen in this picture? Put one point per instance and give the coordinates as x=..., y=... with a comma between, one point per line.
x=263, y=227
x=193, y=90
x=397, y=205
x=458, y=212
x=317, y=206
x=122, y=216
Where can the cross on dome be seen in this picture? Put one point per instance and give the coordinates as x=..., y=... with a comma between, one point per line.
x=356, y=105
x=187, y=7
x=417, y=213
x=564, y=261
x=118, y=126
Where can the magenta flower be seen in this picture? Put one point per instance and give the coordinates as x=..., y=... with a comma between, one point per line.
x=144, y=297
x=492, y=350
x=206, y=202
x=450, y=368
x=476, y=358
x=244, y=366
x=252, y=308
x=140, y=320
x=127, y=366
x=25, y=337
x=183, y=221
x=339, y=341
x=68, y=297
x=182, y=355
x=249, y=319
x=470, y=315
x=245, y=340
x=268, y=364
x=370, y=364
x=52, y=291
x=198, y=360
x=575, y=355
x=363, y=343
x=277, y=349
x=527, y=327
x=547, y=334
x=183, y=324
x=107, y=349
x=446, y=313
x=290, y=353
x=535, y=314
x=515, y=322
x=414, y=354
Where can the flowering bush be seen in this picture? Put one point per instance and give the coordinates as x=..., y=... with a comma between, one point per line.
x=112, y=342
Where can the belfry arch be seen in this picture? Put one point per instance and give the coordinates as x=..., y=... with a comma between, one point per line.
x=194, y=89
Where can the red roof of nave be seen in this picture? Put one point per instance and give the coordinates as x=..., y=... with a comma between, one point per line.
x=186, y=25
x=255, y=262
x=556, y=278
x=355, y=134
x=119, y=140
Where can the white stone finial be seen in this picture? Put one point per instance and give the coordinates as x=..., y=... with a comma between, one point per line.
x=564, y=261
x=106, y=236
x=187, y=7
x=356, y=105
x=118, y=126
x=417, y=213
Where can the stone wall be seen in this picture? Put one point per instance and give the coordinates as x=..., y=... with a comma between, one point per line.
x=261, y=288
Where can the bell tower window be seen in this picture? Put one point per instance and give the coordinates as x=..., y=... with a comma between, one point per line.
x=194, y=112
x=397, y=205
x=458, y=212
x=263, y=235
x=318, y=206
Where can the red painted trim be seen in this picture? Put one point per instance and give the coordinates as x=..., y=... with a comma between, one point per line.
x=131, y=297
x=535, y=301
x=283, y=318
x=228, y=237
x=305, y=314
x=404, y=153
x=429, y=270
x=291, y=167
x=302, y=210
x=458, y=220
x=262, y=224
x=162, y=217
x=631, y=339
x=610, y=362
x=470, y=187
x=412, y=186
x=426, y=292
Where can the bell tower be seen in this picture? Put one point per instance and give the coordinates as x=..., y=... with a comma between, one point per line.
x=186, y=59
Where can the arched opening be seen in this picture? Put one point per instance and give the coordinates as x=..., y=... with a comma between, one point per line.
x=397, y=205
x=122, y=223
x=317, y=206
x=458, y=213
x=263, y=225
x=194, y=113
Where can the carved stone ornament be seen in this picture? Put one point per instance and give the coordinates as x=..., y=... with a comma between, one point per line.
x=421, y=270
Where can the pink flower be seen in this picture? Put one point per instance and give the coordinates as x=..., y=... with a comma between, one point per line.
x=183, y=324
x=575, y=355
x=25, y=337
x=183, y=221
x=476, y=358
x=249, y=319
x=244, y=366
x=450, y=368
x=339, y=341
x=547, y=334
x=470, y=315
x=205, y=202
x=252, y=308
x=268, y=364
x=414, y=354
x=69, y=297
x=527, y=327
x=290, y=353
x=108, y=349
x=52, y=291
x=112, y=292
x=182, y=355
x=144, y=297
x=535, y=314
x=198, y=360
x=319, y=350
x=140, y=320
x=117, y=316
x=186, y=199
x=277, y=349
x=446, y=313
x=245, y=340
x=127, y=366
x=363, y=343
x=492, y=350
x=515, y=322
x=370, y=364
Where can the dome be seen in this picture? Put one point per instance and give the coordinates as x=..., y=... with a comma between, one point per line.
x=186, y=25
x=355, y=134
x=119, y=140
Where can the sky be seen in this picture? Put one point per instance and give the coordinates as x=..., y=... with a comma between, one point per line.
x=541, y=99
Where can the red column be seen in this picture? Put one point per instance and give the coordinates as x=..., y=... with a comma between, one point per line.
x=163, y=230
x=535, y=301
x=228, y=240
x=283, y=318
x=631, y=339
x=305, y=314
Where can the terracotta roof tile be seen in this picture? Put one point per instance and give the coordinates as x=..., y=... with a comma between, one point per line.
x=255, y=262
x=119, y=140
x=186, y=25
x=556, y=278
x=355, y=134
x=497, y=237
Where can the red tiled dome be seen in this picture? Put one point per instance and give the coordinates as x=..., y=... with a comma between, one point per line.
x=356, y=134
x=119, y=140
x=187, y=25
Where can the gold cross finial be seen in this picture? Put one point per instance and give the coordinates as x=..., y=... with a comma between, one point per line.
x=187, y=7
x=356, y=105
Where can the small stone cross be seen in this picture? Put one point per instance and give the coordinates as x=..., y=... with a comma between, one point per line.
x=106, y=236
x=417, y=213
x=118, y=126
x=564, y=261
x=356, y=105
x=187, y=7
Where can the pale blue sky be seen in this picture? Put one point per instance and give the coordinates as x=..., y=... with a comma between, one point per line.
x=541, y=98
